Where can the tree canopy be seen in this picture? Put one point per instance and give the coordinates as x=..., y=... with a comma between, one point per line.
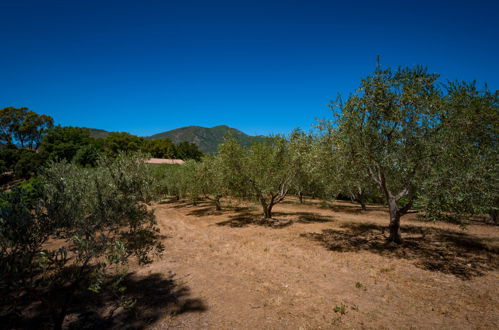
x=405, y=130
x=23, y=127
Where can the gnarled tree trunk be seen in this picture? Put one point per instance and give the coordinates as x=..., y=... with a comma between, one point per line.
x=268, y=205
x=362, y=204
x=394, y=225
x=216, y=199
x=267, y=211
x=360, y=198
x=218, y=205
x=395, y=211
x=494, y=216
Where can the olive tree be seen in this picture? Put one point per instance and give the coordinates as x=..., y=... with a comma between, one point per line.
x=232, y=167
x=300, y=145
x=213, y=179
x=264, y=170
x=324, y=154
x=464, y=179
x=190, y=178
x=76, y=232
x=343, y=167
x=391, y=124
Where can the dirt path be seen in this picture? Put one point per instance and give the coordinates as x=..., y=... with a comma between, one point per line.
x=323, y=271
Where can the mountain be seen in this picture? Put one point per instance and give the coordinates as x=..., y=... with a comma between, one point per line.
x=207, y=139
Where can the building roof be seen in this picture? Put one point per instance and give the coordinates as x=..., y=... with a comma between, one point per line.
x=164, y=161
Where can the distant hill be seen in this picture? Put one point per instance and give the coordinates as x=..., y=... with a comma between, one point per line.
x=98, y=133
x=207, y=139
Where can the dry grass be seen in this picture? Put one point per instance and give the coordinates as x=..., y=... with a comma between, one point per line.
x=319, y=266
x=327, y=267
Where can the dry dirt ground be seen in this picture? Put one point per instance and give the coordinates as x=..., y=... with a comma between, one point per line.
x=328, y=268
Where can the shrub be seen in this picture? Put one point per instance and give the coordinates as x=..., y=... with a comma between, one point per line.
x=95, y=220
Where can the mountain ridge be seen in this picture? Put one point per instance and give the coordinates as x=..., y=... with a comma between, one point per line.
x=206, y=138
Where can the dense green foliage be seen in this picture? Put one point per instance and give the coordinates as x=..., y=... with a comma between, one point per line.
x=21, y=131
x=310, y=165
x=63, y=143
x=464, y=178
x=100, y=220
x=160, y=148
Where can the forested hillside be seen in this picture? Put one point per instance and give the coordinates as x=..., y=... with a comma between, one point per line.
x=207, y=139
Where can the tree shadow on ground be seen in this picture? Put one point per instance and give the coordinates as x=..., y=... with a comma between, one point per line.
x=279, y=220
x=306, y=201
x=154, y=297
x=433, y=249
x=241, y=219
x=205, y=211
x=186, y=204
x=353, y=209
x=305, y=217
x=210, y=209
x=171, y=200
x=475, y=220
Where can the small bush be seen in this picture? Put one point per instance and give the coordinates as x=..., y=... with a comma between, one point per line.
x=100, y=221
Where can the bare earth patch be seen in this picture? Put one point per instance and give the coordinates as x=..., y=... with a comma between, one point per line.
x=323, y=268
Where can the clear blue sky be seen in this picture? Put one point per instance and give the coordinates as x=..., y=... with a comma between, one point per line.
x=260, y=66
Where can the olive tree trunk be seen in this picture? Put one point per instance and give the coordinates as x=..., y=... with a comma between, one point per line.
x=216, y=199
x=362, y=204
x=218, y=205
x=396, y=212
x=267, y=210
x=494, y=216
x=268, y=203
x=359, y=197
x=394, y=226
x=361, y=201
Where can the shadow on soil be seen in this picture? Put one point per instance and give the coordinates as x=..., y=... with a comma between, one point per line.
x=208, y=208
x=433, y=249
x=279, y=220
x=155, y=296
x=355, y=209
x=205, y=211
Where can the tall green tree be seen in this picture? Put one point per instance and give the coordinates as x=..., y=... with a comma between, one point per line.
x=117, y=142
x=187, y=150
x=392, y=123
x=64, y=142
x=159, y=148
x=23, y=127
